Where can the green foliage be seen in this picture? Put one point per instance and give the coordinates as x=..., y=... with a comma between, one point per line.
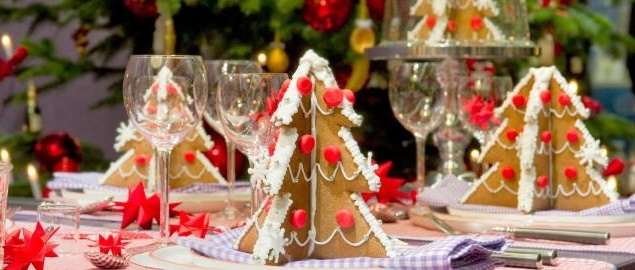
x=607, y=127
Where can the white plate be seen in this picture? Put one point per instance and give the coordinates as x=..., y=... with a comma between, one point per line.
x=190, y=202
x=483, y=222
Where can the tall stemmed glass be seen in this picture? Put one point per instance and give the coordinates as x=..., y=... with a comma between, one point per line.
x=216, y=68
x=165, y=97
x=418, y=102
x=244, y=107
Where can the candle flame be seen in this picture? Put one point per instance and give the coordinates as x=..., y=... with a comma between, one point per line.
x=4, y=155
x=6, y=41
x=31, y=172
x=612, y=182
x=573, y=84
x=474, y=154
x=262, y=58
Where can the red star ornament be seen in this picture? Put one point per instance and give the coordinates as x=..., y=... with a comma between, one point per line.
x=30, y=249
x=389, y=189
x=480, y=111
x=141, y=209
x=197, y=225
x=112, y=244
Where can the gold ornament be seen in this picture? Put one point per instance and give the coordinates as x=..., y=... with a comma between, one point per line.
x=169, y=36
x=359, y=73
x=277, y=58
x=363, y=36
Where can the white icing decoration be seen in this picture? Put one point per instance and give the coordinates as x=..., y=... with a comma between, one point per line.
x=597, y=178
x=116, y=167
x=271, y=242
x=258, y=172
x=210, y=167
x=494, y=31
x=576, y=101
x=338, y=168
x=508, y=100
x=375, y=225
x=590, y=152
x=438, y=7
x=486, y=4
x=414, y=7
x=280, y=160
x=251, y=222
x=414, y=33
x=436, y=34
x=125, y=133
x=363, y=164
x=480, y=181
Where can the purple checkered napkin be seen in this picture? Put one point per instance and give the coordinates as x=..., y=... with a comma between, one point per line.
x=456, y=252
x=450, y=190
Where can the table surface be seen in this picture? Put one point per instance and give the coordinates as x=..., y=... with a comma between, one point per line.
x=620, y=252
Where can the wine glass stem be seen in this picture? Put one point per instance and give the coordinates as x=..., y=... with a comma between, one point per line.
x=231, y=172
x=162, y=169
x=421, y=160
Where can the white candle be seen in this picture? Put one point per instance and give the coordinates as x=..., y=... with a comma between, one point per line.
x=6, y=157
x=33, y=176
x=7, y=45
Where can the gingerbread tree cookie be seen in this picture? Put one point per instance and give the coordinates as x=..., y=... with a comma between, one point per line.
x=554, y=161
x=463, y=20
x=315, y=176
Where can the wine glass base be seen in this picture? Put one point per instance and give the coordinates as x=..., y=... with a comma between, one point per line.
x=230, y=212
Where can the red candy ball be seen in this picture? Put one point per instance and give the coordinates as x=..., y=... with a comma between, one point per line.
x=512, y=134
x=546, y=136
x=431, y=21
x=298, y=218
x=451, y=26
x=345, y=218
x=141, y=160
x=545, y=96
x=304, y=85
x=564, y=99
x=332, y=154
x=571, y=172
x=519, y=101
x=189, y=157
x=508, y=173
x=349, y=95
x=333, y=97
x=542, y=181
x=307, y=142
x=476, y=23
x=572, y=136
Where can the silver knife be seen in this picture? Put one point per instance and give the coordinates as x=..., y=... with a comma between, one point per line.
x=582, y=237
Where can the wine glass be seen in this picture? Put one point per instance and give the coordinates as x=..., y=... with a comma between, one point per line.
x=165, y=97
x=478, y=96
x=215, y=68
x=244, y=109
x=418, y=102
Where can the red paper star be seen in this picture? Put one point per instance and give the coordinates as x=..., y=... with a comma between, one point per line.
x=30, y=249
x=389, y=189
x=111, y=244
x=141, y=209
x=481, y=112
x=197, y=225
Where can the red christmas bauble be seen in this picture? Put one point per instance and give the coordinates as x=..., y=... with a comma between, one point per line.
x=53, y=147
x=66, y=164
x=376, y=9
x=218, y=155
x=142, y=8
x=326, y=15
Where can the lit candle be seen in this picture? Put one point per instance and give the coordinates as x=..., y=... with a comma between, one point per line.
x=262, y=58
x=33, y=176
x=7, y=45
x=6, y=157
x=476, y=168
x=612, y=182
x=573, y=85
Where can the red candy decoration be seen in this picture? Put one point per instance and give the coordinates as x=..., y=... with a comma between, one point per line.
x=615, y=167
x=307, y=142
x=140, y=160
x=333, y=97
x=332, y=154
x=570, y=172
x=476, y=23
x=349, y=95
x=283, y=88
x=431, y=21
x=572, y=136
x=189, y=157
x=271, y=147
x=298, y=218
x=519, y=101
x=344, y=218
x=542, y=181
x=545, y=96
x=564, y=99
x=508, y=173
x=451, y=26
x=512, y=134
x=546, y=136
x=304, y=85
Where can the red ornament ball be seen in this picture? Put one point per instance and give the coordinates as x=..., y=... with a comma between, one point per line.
x=141, y=160
x=564, y=99
x=307, y=142
x=349, y=95
x=344, y=218
x=53, y=147
x=304, y=85
x=66, y=164
x=142, y=8
x=298, y=218
x=519, y=101
x=476, y=23
x=508, y=173
x=431, y=21
x=572, y=136
x=189, y=157
x=542, y=181
x=333, y=97
x=571, y=172
x=545, y=96
x=326, y=15
x=451, y=26
x=512, y=134
x=332, y=154
x=545, y=136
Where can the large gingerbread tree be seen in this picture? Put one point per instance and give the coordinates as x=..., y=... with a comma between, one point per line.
x=463, y=20
x=315, y=176
x=553, y=161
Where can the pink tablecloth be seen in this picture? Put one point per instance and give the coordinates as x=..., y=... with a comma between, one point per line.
x=77, y=262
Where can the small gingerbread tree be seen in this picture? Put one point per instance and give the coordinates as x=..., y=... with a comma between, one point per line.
x=315, y=176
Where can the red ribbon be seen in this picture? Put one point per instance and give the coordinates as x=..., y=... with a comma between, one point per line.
x=141, y=209
x=30, y=249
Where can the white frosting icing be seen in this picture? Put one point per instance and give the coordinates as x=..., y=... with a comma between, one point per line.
x=415, y=6
x=494, y=32
x=271, y=242
x=438, y=31
x=375, y=225
x=251, y=222
x=364, y=164
x=116, y=167
x=480, y=181
x=126, y=133
x=280, y=160
x=576, y=101
x=508, y=100
x=590, y=152
x=597, y=178
x=495, y=140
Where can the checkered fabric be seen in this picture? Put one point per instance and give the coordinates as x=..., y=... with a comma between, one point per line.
x=450, y=189
x=456, y=252
x=90, y=180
